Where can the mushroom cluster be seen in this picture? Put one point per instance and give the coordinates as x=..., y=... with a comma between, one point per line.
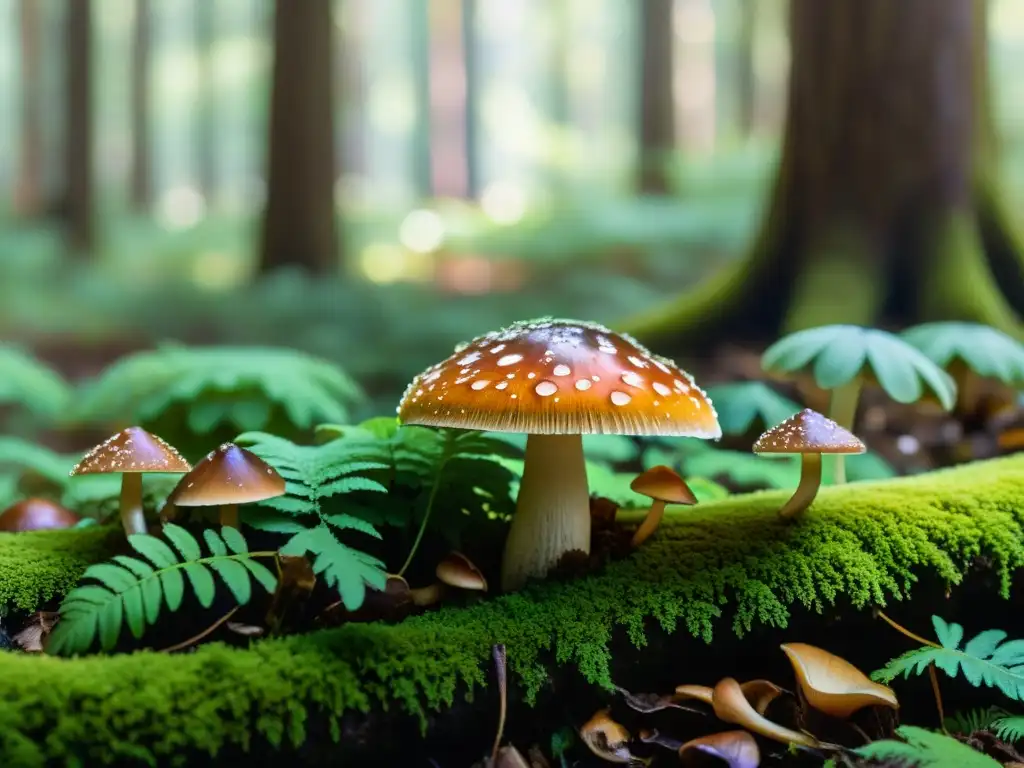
x=556, y=380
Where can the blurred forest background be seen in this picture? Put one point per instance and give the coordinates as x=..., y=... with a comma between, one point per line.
x=401, y=176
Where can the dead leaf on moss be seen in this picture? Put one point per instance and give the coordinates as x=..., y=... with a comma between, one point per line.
x=737, y=749
x=832, y=685
x=607, y=739
x=32, y=637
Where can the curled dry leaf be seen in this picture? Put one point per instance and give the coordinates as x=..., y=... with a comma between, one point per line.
x=760, y=693
x=245, y=630
x=647, y=703
x=732, y=706
x=833, y=685
x=651, y=736
x=606, y=738
x=32, y=637
x=736, y=748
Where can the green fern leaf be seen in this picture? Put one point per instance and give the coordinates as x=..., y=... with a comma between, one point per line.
x=971, y=721
x=27, y=383
x=132, y=590
x=985, y=660
x=921, y=748
x=346, y=569
x=1009, y=728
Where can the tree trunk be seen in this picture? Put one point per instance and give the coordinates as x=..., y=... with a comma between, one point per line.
x=141, y=179
x=78, y=130
x=746, y=72
x=885, y=209
x=299, y=221
x=657, y=103
x=28, y=193
x=447, y=107
x=206, y=129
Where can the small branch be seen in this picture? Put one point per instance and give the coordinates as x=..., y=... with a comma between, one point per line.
x=904, y=631
x=196, y=638
x=500, y=670
x=938, y=697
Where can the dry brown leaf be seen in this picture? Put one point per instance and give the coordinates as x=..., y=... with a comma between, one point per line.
x=736, y=748
x=606, y=738
x=647, y=703
x=732, y=706
x=833, y=685
x=32, y=637
x=760, y=693
x=246, y=630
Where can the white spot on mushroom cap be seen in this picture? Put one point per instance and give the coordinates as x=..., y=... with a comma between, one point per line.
x=545, y=388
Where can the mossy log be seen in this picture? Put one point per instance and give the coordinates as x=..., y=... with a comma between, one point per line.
x=886, y=208
x=731, y=564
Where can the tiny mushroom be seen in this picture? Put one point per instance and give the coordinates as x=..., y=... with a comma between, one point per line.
x=225, y=478
x=130, y=453
x=455, y=570
x=556, y=380
x=810, y=435
x=664, y=486
x=36, y=515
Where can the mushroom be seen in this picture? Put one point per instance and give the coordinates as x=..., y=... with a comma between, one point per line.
x=36, y=515
x=731, y=706
x=556, y=380
x=664, y=486
x=131, y=452
x=832, y=685
x=225, y=478
x=809, y=434
x=455, y=570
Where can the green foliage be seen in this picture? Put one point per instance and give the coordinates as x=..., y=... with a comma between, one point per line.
x=983, y=349
x=28, y=384
x=974, y=720
x=183, y=392
x=1009, y=728
x=746, y=405
x=134, y=590
x=984, y=660
x=921, y=748
x=838, y=354
x=730, y=562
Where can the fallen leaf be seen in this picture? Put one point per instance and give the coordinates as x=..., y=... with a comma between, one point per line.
x=731, y=706
x=32, y=637
x=760, y=693
x=651, y=702
x=606, y=738
x=246, y=630
x=736, y=748
x=833, y=685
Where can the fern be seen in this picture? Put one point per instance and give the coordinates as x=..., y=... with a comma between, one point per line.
x=921, y=748
x=27, y=383
x=974, y=720
x=134, y=590
x=984, y=660
x=1009, y=728
x=235, y=388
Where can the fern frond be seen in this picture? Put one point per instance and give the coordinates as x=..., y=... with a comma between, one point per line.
x=134, y=590
x=973, y=720
x=984, y=660
x=346, y=569
x=921, y=748
x=27, y=383
x=1010, y=728
x=238, y=386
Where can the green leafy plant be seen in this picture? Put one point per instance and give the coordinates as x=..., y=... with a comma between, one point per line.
x=973, y=720
x=313, y=474
x=921, y=748
x=28, y=384
x=133, y=590
x=746, y=405
x=180, y=392
x=842, y=358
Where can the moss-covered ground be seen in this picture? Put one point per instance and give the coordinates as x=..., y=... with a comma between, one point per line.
x=722, y=566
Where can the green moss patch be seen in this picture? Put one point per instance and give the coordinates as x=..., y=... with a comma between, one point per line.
x=725, y=564
x=40, y=565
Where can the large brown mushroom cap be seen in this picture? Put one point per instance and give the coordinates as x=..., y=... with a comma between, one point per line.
x=559, y=377
x=228, y=475
x=808, y=432
x=132, y=450
x=36, y=515
x=662, y=483
x=457, y=570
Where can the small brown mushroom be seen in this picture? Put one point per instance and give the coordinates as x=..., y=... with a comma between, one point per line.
x=832, y=685
x=664, y=486
x=36, y=515
x=455, y=570
x=225, y=478
x=810, y=435
x=130, y=453
x=606, y=738
x=737, y=749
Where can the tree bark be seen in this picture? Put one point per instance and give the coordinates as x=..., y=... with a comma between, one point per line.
x=657, y=103
x=78, y=131
x=885, y=210
x=299, y=228
x=206, y=129
x=746, y=72
x=28, y=194
x=141, y=175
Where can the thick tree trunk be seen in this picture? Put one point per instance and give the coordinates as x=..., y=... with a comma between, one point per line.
x=141, y=176
x=299, y=222
x=657, y=104
x=884, y=209
x=78, y=130
x=28, y=193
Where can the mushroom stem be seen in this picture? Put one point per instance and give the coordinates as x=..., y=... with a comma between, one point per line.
x=810, y=482
x=229, y=515
x=553, y=510
x=132, y=517
x=650, y=523
x=843, y=411
x=424, y=596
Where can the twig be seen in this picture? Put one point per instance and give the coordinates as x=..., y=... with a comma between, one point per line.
x=938, y=697
x=904, y=631
x=498, y=652
x=196, y=638
x=931, y=667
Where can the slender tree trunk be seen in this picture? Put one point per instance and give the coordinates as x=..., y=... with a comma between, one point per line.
x=470, y=70
x=299, y=227
x=78, y=131
x=657, y=104
x=206, y=130
x=141, y=178
x=885, y=209
x=447, y=106
x=746, y=74
x=29, y=186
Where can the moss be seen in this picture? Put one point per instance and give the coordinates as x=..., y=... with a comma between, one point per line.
x=40, y=565
x=731, y=562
